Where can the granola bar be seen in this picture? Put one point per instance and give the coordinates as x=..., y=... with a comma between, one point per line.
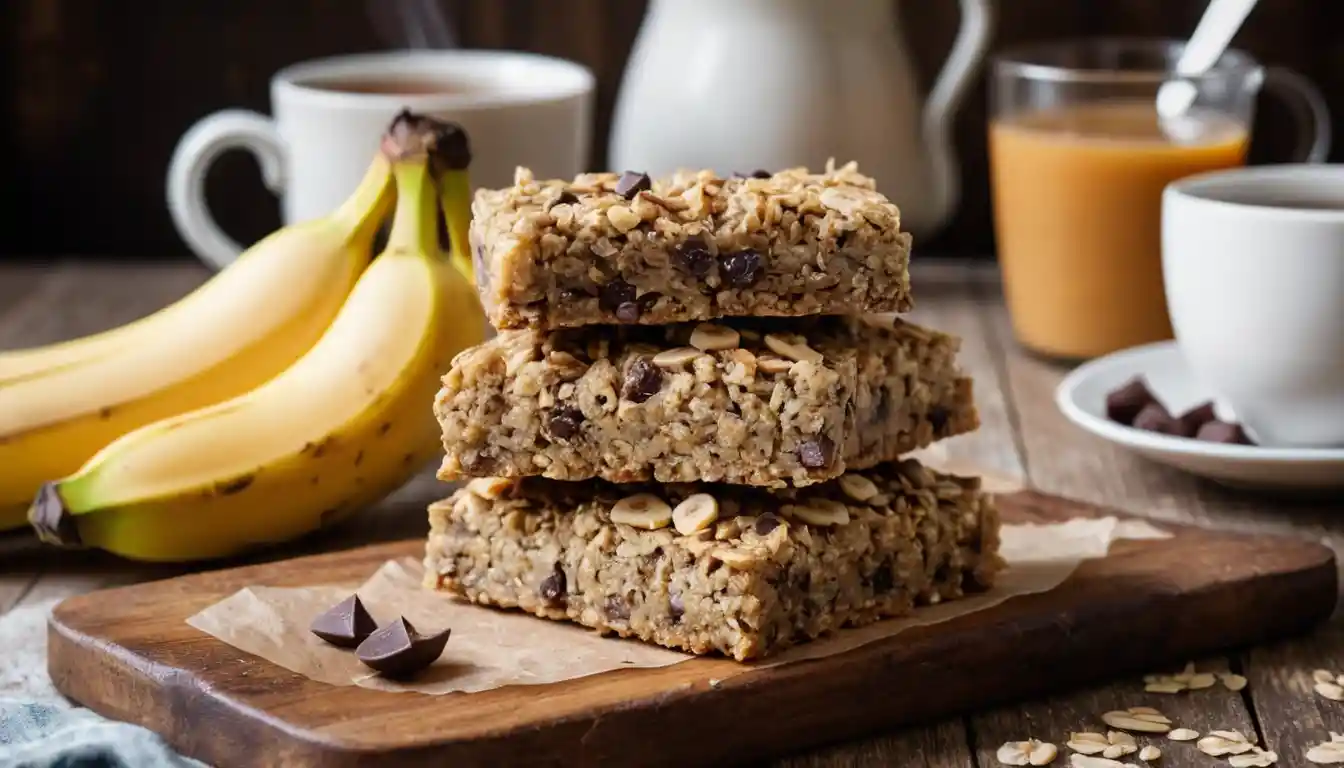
x=757, y=401
x=607, y=248
x=716, y=568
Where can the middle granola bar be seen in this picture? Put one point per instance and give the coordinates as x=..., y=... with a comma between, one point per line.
x=753, y=401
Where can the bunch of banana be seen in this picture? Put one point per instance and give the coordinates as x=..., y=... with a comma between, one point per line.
x=343, y=425
x=60, y=404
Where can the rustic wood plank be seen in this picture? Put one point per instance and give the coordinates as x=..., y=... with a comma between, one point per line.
x=19, y=280
x=1053, y=719
x=82, y=297
x=1291, y=715
x=130, y=655
x=943, y=745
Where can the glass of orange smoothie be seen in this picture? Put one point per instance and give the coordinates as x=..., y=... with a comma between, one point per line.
x=1078, y=161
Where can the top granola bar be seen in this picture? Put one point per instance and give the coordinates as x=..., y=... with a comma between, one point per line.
x=622, y=248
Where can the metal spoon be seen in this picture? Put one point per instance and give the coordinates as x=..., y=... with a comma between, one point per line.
x=1216, y=29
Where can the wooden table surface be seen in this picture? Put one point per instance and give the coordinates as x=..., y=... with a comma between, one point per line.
x=1023, y=436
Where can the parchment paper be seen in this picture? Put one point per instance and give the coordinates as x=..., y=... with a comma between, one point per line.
x=492, y=648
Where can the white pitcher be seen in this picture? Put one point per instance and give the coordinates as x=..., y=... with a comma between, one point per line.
x=740, y=85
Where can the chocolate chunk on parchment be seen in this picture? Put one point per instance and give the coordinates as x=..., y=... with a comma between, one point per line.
x=345, y=625
x=398, y=650
x=1124, y=404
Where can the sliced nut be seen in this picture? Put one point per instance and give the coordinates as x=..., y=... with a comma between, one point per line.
x=675, y=358
x=1323, y=676
x=1087, y=742
x=1091, y=761
x=708, y=336
x=1128, y=720
x=1150, y=753
x=772, y=364
x=1258, y=758
x=1123, y=741
x=1219, y=743
x=1152, y=717
x=1183, y=734
x=1201, y=681
x=695, y=513
x=1113, y=751
x=1186, y=673
x=818, y=512
x=622, y=218
x=1145, y=711
x=643, y=510
x=490, y=487
x=1327, y=753
x=858, y=487
x=1029, y=752
x=1332, y=691
x=1165, y=686
x=470, y=505
x=1233, y=682
x=734, y=558
x=792, y=347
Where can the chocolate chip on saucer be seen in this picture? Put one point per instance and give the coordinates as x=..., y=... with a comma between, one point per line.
x=397, y=650
x=1223, y=432
x=345, y=624
x=1197, y=417
x=1124, y=404
x=1154, y=418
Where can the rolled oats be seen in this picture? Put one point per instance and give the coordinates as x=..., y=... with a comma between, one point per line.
x=491, y=487
x=1131, y=720
x=792, y=347
x=696, y=512
x=676, y=357
x=1150, y=753
x=1087, y=742
x=1183, y=734
x=858, y=487
x=643, y=510
x=1029, y=752
x=708, y=336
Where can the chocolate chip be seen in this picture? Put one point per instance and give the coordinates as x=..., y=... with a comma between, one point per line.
x=345, y=624
x=628, y=312
x=614, y=294
x=816, y=453
x=1222, y=432
x=1123, y=405
x=741, y=269
x=1196, y=417
x=553, y=587
x=694, y=257
x=566, y=198
x=564, y=421
x=617, y=608
x=647, y=301
x=642, y=380
x=572, y=294
x=757, y=174
x=675, y=608
x=398, y=650
x=938, y=416
x=766, y=523
x=1154, y=418
x=882, y=578
x=632, y=183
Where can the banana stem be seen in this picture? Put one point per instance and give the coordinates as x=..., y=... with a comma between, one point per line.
x=366, y=208
x=415, y=226
x=455, y=197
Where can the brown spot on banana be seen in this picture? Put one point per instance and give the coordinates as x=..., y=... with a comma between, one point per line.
x=316, y=450
x=384, y=427
x=236, y=485
x=105, y=412
x=359, y=458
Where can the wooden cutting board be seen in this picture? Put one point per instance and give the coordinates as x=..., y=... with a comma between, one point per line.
x=129, y=654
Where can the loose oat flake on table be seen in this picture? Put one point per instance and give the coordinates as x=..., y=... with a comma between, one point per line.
x=492, y=649
x=1029, y=752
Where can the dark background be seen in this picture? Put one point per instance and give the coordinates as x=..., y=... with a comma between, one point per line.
x=95, y=93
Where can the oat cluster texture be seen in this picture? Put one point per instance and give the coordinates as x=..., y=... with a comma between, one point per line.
x=691, y=424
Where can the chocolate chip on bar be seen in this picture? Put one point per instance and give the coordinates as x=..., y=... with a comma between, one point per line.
x=756, y=174
x=345, y=624
x=632, y=183
x=398, y=650
x=1222, y=432
x=741, y=269
x=1124, y=404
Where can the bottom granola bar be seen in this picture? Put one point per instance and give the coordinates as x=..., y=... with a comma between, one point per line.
x=717, y=568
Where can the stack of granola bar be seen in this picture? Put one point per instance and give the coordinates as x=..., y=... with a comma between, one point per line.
x=689, y=428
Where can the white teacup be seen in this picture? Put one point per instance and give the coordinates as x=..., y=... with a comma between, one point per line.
x=517, y=108
x=1253, y=262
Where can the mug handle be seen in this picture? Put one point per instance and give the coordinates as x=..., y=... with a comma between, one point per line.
x=1309, y=111
x=196, y=151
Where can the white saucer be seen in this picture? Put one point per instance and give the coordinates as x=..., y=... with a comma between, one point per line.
x=1082, y=398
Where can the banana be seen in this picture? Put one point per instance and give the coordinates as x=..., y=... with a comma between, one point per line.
x=247, y=324
x=344, y=426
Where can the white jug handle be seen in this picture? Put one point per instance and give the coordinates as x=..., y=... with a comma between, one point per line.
x=196, y=151
x=1309, y=112
x=968, y=50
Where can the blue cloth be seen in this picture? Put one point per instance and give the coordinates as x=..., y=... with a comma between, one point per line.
x=35, y=735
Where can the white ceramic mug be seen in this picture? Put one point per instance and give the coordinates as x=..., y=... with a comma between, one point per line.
x=517, y=108
x=1253, y=264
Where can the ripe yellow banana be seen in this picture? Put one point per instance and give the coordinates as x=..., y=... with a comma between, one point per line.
x=247, y=324
x=347, y=424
